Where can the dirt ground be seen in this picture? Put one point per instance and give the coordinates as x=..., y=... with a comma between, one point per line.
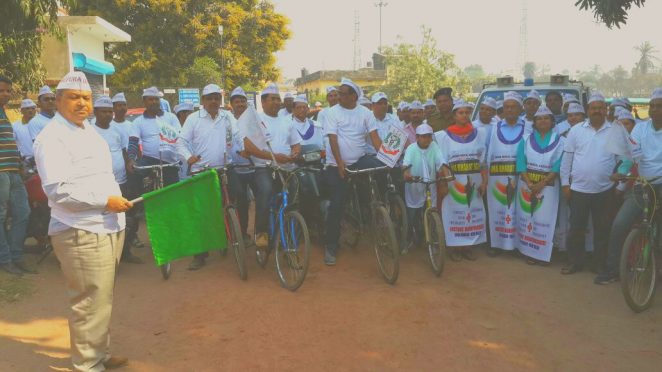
x=492, y=314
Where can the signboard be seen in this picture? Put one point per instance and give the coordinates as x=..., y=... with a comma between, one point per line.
x=392, y=146
x=191, y=95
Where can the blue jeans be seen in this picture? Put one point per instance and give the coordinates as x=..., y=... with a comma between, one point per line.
x=630, y=212
x=14, y=196
x=264, y=186
x=239, y=184
x=338, y=189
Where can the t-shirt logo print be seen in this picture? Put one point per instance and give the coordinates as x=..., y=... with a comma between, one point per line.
x=167, y=134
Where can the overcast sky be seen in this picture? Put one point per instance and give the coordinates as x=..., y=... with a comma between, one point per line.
x=482, y=32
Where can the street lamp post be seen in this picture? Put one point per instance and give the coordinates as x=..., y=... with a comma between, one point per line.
x=220, y=32
x=380, y=5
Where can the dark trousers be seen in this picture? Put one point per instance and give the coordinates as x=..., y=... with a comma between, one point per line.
x=239, y=184
x=264, y=186
x=581, y=204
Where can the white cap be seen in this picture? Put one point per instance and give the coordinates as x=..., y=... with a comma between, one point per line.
x=429, y=102
x=403, y=106
x=625, y=115
x=378, y=97
x=272, y=88
x=460, y=103
x=119, y=97
x=331, y=89
x=211, y=89
x=423, y=129
x=27, y=103
x=160, y=94
x=184, y=106
x=499, y=104
x=151, y=92
x=416, y=105
x=657, y=94
x=512, y=96
x=489, y=102
x=44, y=90
x=596, y=97
x=103, y=102
x=569, y=98
x=576, y=108
x=238, y=92
x=621, y=102
x=301, y=98
x=288, y=95
x=363, y=100
x=351, y=84
x=533, y=94
x=318, y=104
x=543, y=111
x=74, y=80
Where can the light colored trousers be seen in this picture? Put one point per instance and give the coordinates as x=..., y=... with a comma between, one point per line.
x=89, y=262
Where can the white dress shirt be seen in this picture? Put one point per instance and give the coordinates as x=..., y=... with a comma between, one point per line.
x=76, y=172
x=207, y=137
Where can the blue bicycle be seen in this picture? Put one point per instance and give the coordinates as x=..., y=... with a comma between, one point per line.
x=288, y=233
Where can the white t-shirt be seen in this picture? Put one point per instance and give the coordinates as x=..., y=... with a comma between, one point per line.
x=351, y=127
x=23, y=138
x=281, y=134
x=158, y=136
x=116, y=144
x=37, y=124
x=383, y=127
x=424, y=163
x=125, y=129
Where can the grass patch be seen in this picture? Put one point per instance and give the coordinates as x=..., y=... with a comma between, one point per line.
x=13, y=289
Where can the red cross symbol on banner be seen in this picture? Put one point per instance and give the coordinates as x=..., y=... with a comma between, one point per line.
x=508, y=219
x=529, y=227
x=469, y=217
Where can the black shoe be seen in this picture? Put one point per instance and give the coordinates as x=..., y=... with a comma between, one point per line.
x=569, y=270
x=21, y=265
x=605, y=278
x=11, y=269
x=197, y=263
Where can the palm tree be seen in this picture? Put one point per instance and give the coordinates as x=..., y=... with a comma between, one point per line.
x=647, y=57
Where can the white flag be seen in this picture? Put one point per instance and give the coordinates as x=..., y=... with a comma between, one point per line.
x=619, y=141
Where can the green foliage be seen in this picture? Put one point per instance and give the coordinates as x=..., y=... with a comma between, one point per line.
x=175, y=41
x=647, y=57
x=24, y=22
x=417, y=71
x=529, y=70
x=610, y=12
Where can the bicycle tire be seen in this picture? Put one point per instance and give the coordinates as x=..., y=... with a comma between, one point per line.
x=263, y=258
x=351, y=223
x=386, y=245
x=398, y=212
x=236, y=240
x=436, y=241
x=292, y=261
x=632, y=255
x=166, y=270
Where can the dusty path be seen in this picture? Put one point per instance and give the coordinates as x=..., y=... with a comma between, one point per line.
x=494, y=314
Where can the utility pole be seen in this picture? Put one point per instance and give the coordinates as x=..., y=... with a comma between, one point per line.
x=380, y=5
x=357, y=41
x=523, y=54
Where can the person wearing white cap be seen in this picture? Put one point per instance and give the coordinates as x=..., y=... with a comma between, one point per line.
x=537, y=196
x=332, y=100
x=311, y=134
x=569, y=98
x=205, y=138
x=21, y=131
x=462, y=207
x=14, y=197
x=532, y=103
x=425, y=161
x=87, y=219
x=443, y=116
x=585, y=177
x=382, y=118
x=554, y=101
x=284, y=144
x=119, y=121
x=501, y=161
x=430, y=108
x=416, y=118
x=182, y=111
x=404, y=113
x=288, y=105
x=575, y=114
x=46, y=103
x=626, y=119
x=156, y=130
x=347, y=126
x=647, y=154
x=487, y=118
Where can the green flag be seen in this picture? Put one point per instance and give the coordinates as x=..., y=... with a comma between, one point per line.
x=186, y=218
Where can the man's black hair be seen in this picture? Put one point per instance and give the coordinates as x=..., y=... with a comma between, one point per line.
x=447, y=91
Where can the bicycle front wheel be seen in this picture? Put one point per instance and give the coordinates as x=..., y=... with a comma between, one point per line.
x=292, y=251
x=236, y=241
x=386, y=245
x=637, y=270
x=436, y=241
x=351, y=222
x=398, y=213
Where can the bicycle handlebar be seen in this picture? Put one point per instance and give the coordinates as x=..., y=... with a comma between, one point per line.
x=439, y=179
x=367, y=170
x=148, y=167
x=222, y=168
x=639, y=178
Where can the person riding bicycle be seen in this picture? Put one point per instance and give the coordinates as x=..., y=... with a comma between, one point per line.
x=347, y=125
x=425, y=160
x=647, y=153
x=283, y=144
x=205, y=141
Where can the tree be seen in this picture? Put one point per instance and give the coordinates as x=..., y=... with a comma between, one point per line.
x=646, y=58
x=610, y=12
x=170, y=36
x=417, y=71
x=24, y=24
x=529, y=70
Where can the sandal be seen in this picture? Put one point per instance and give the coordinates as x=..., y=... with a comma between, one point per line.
x=455, y=254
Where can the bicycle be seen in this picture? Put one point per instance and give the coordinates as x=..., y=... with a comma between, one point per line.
x=385, y=242
x=397, y=209
x=232, y=226
x=154, y=181
x=288, y=234
x=638, y=270
x=435, y=238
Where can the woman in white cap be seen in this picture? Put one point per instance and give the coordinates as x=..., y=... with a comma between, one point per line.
x=531, y=105
x=462, y=207
x=21, y=130
x=575, y=114
x=538, y=165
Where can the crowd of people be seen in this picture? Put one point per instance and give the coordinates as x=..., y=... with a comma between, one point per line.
x=531, y=173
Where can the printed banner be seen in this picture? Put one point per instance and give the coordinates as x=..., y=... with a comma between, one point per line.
x=463, y=211
x=392, y=146
x=536, y=221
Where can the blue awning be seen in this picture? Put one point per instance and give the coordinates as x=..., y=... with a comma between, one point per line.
x=91, y=65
